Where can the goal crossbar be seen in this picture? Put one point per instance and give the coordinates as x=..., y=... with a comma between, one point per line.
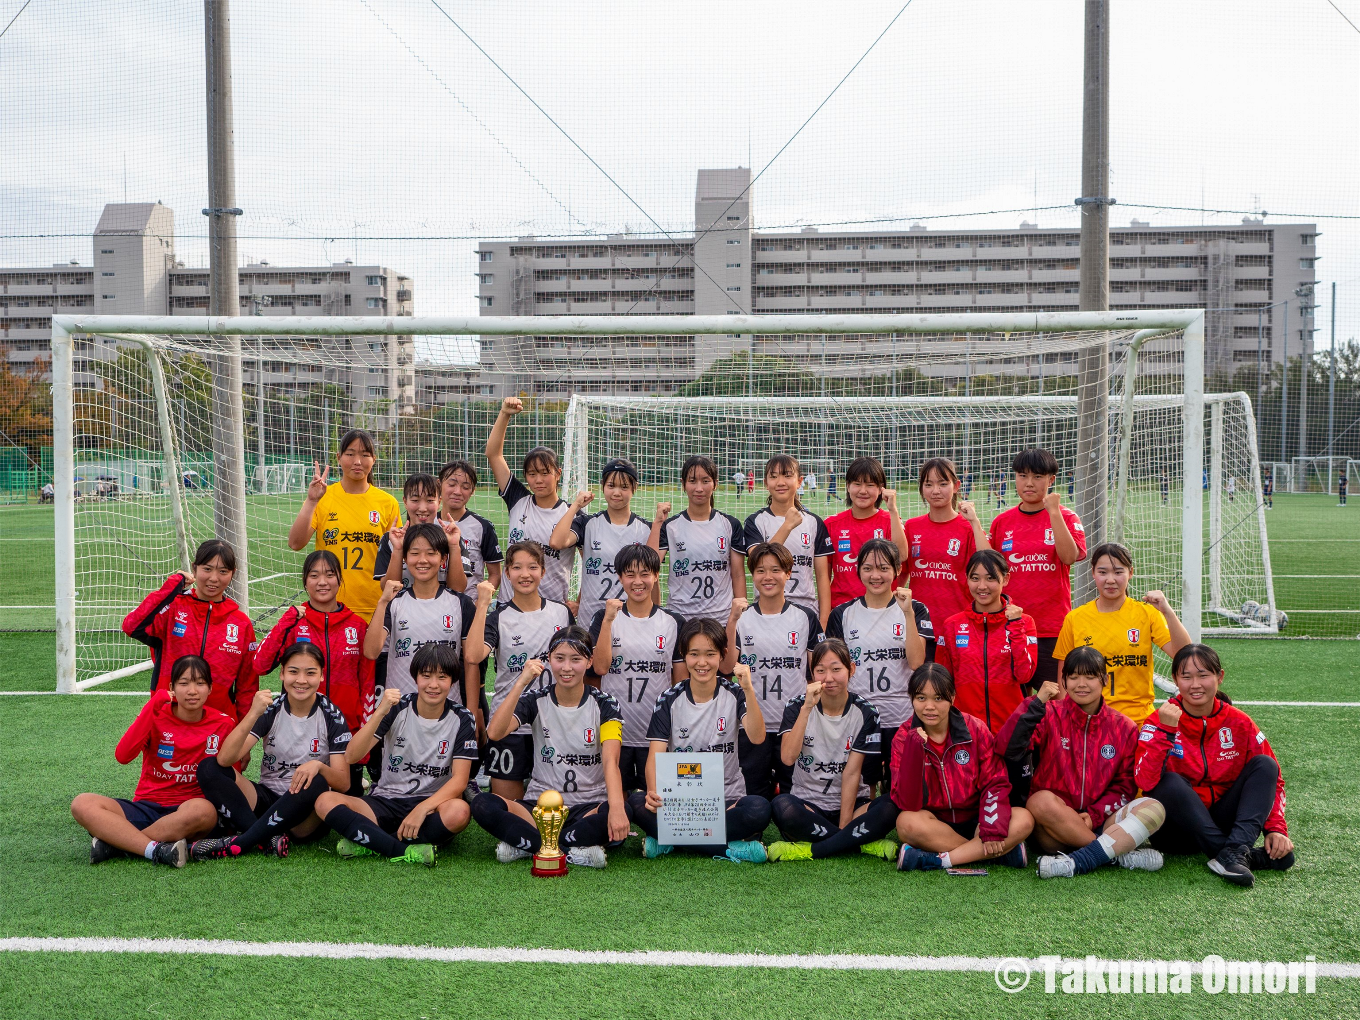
x=1134, y=326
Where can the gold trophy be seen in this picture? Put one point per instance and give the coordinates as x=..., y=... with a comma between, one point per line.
x=549, y=815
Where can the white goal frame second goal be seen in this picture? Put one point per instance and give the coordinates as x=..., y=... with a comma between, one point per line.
x=140, y=330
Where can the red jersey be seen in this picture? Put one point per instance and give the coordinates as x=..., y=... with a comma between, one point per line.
x=348, y=675
x=1209, y=752
x=172, y=621
x=848, y=535
x=1086, y=760
x=989, y=657
x=935, y=569
x=1040, y=583
x=171, y=749
x=965, y=781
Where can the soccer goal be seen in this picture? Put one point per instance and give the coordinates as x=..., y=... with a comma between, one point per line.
x=133, y=403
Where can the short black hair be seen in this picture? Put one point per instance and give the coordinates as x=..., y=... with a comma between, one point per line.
x=543, y=458
x=429, y=531
x=577, y=637
x=937, y=676
x=637, y=555
x=778, y=550
x=420, y=484
x=321, y=556
x=1085, y=660
x=702, y=625
x=866, y=471
x=185, y=663
x=437, y=656
x=1201, y=654
x=991, y=561
x=882, y=547
x=454, y=466
x=1114, y=551
x=1035, y=461
x=215, y=548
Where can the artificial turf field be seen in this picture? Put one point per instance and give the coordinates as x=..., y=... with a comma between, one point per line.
x=54, y=747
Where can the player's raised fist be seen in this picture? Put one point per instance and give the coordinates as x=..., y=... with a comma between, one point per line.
x=583, y=499
x=316, y=488
x=512, y=406
x=611, y=609
x=1013, y=612
x=969, y=511
x=263, y=699
x=533, y=669
x=1157, y=600
x=663, y=510
x=391, y=695
x=1053, y=501
x=739, y=606
x=742, y=674
x=890, y=498
x=794, y=517
x=391, y=589
x=1170, y=715
x=1049, y=690
x=486, y=591
x=903, y=596
x=814, y=694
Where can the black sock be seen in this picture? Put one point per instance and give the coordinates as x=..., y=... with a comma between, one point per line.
x=289, y=810
x=358, y=829
x=640, y=813
x=495, y=817
x=433, y=830
x=879, y=818
x=798, y=821
x=592, y=829
x=218, y=783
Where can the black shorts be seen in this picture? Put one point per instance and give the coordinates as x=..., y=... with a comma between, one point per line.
x=510, y=758
x=966, y=829
x=878, y=767
x=1047, y=669
x=391, y=811
x=633, y=766
x=142, y=814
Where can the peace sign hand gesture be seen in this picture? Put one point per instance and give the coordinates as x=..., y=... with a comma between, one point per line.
x=317, y=488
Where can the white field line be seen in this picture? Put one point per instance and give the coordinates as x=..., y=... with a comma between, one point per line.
x=509, y=954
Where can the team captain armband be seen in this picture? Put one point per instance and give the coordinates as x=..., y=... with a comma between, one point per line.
x=611, y=729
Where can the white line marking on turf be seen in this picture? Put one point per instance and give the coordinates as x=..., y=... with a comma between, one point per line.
x=507, y=954
x=102, y=694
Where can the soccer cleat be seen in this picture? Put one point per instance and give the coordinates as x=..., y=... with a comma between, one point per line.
x=652, y=849
x=349, y=848
x=101, y=851
x=279, y=845
x=1143, y=859
x=781, y=850
x=417, y=853
x=505, y=853
x=1057, y=866
x=748, y=851
x=587, y=856
x=1231, y=864
x=175, y=854
x=1017, y=857
x=1259, y=860
x=885, y=848
x=911, y=859
x=213, y=849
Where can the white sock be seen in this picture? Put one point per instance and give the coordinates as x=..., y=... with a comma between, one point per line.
x=944, y=860
x=150, y=849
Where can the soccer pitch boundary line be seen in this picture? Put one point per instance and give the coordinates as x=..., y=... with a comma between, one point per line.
x=566, y=957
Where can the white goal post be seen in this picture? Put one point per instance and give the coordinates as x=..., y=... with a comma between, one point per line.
x=1132, y=328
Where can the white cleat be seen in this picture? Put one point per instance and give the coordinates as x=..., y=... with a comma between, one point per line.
x=1143, y=859
x=505, y=853
x=587, y=856
x=1057, y=866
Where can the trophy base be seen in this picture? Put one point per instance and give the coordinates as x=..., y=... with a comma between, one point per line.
x=545, y=866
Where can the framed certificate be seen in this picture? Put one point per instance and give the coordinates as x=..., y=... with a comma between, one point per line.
x=693, y=811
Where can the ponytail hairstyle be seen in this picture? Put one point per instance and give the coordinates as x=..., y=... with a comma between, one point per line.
x=366, y=440
x=1206, y=658
x=544, y=459
x=993, y=564
x=216, y=548
x=302, y=648
x=944, y=467
x=935, y=676
x=1085, y=660
x=706, y=465
x=324, y=556
x=784, y=464
x=1116, y=552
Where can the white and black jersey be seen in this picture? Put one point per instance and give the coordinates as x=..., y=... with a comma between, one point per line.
x=701, y=563
x=827, y=743
x=599, y=542
x=776, y=647
x=808, y=540
x=877, y=642
x=712, y=726
x=480, y=546
x=289, y=740
x=530, y=522
x=567, y=743
x=642, y=656
x=413, y=622
x=418, y=753
x=384, y=560
x=517, y=637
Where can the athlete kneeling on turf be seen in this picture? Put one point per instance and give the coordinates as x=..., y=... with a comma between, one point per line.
x=577, y=734
x=702, y=713
x=430, y=744
x=304, y=756
x=1080, y=754
x=950, y=783
x=174, y=732
x=826, y=735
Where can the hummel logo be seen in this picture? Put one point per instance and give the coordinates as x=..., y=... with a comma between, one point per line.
x=276, y=819
x=859, y=831
x=360, y=837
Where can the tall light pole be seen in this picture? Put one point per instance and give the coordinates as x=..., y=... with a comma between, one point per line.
x=1331, y=396
x=1306, y=309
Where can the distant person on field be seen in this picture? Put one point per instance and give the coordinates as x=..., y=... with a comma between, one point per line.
x=739, y=479
x=48, y=493
x=1232, y=488
x=830, y=488
x=1268, y=490
x=1343, y=483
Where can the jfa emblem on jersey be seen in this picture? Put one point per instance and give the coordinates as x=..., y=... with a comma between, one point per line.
x=961, y=756
x=1225, y=737
x=233, y=632
x=212, y=743
x=443, y=748
x=793, y=639
x=448, y=623
x=722, y=544
x=1107, y=751
x=351, y=635
x=316, y=745
x=1048, y=536
x=1134, y=635
x=590, y=735
x=374, y=517
x=722, y=724
x=661, y=642
x=897, y=630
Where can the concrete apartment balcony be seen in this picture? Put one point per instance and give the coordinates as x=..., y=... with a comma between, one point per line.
x=779, y=255
x=890, y=277
x=590, y=263
x=837, y=256
x=769, y=304
x=589, y=308
x=1054, y=276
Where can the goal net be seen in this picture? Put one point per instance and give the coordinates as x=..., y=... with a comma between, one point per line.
x=138, y=457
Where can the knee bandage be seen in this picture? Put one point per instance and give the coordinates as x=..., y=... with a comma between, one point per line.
x=1140, y=818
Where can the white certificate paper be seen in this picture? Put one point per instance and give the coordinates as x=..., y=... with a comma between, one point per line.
x=693, y=811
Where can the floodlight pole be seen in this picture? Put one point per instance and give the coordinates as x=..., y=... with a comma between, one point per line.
x=1093, y=363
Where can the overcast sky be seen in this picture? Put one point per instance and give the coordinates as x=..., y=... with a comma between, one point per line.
x=374, y=130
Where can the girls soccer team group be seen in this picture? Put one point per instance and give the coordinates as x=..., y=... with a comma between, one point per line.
x=921, y=691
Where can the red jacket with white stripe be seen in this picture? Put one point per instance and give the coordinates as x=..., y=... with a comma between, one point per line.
x=989, y=657
x=348, y=675
x=1086, y=760
x=967, y=781
x=1209, y=752
x=173, y=621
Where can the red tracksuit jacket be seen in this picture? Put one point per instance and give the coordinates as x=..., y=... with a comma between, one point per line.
x=348, y=675
x=172, y=621
x=1087, y=760
x=989, y=657
x=171, y=749
x=1209, y=752
x=968, y=781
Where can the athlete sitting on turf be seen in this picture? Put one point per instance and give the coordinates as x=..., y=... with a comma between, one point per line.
x=430, y=744
x=700, y=714
x=1080, y=754
x=826, y=736
x=173, y=733
x=576, y=734
x=950, y=783
x=304, y=756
